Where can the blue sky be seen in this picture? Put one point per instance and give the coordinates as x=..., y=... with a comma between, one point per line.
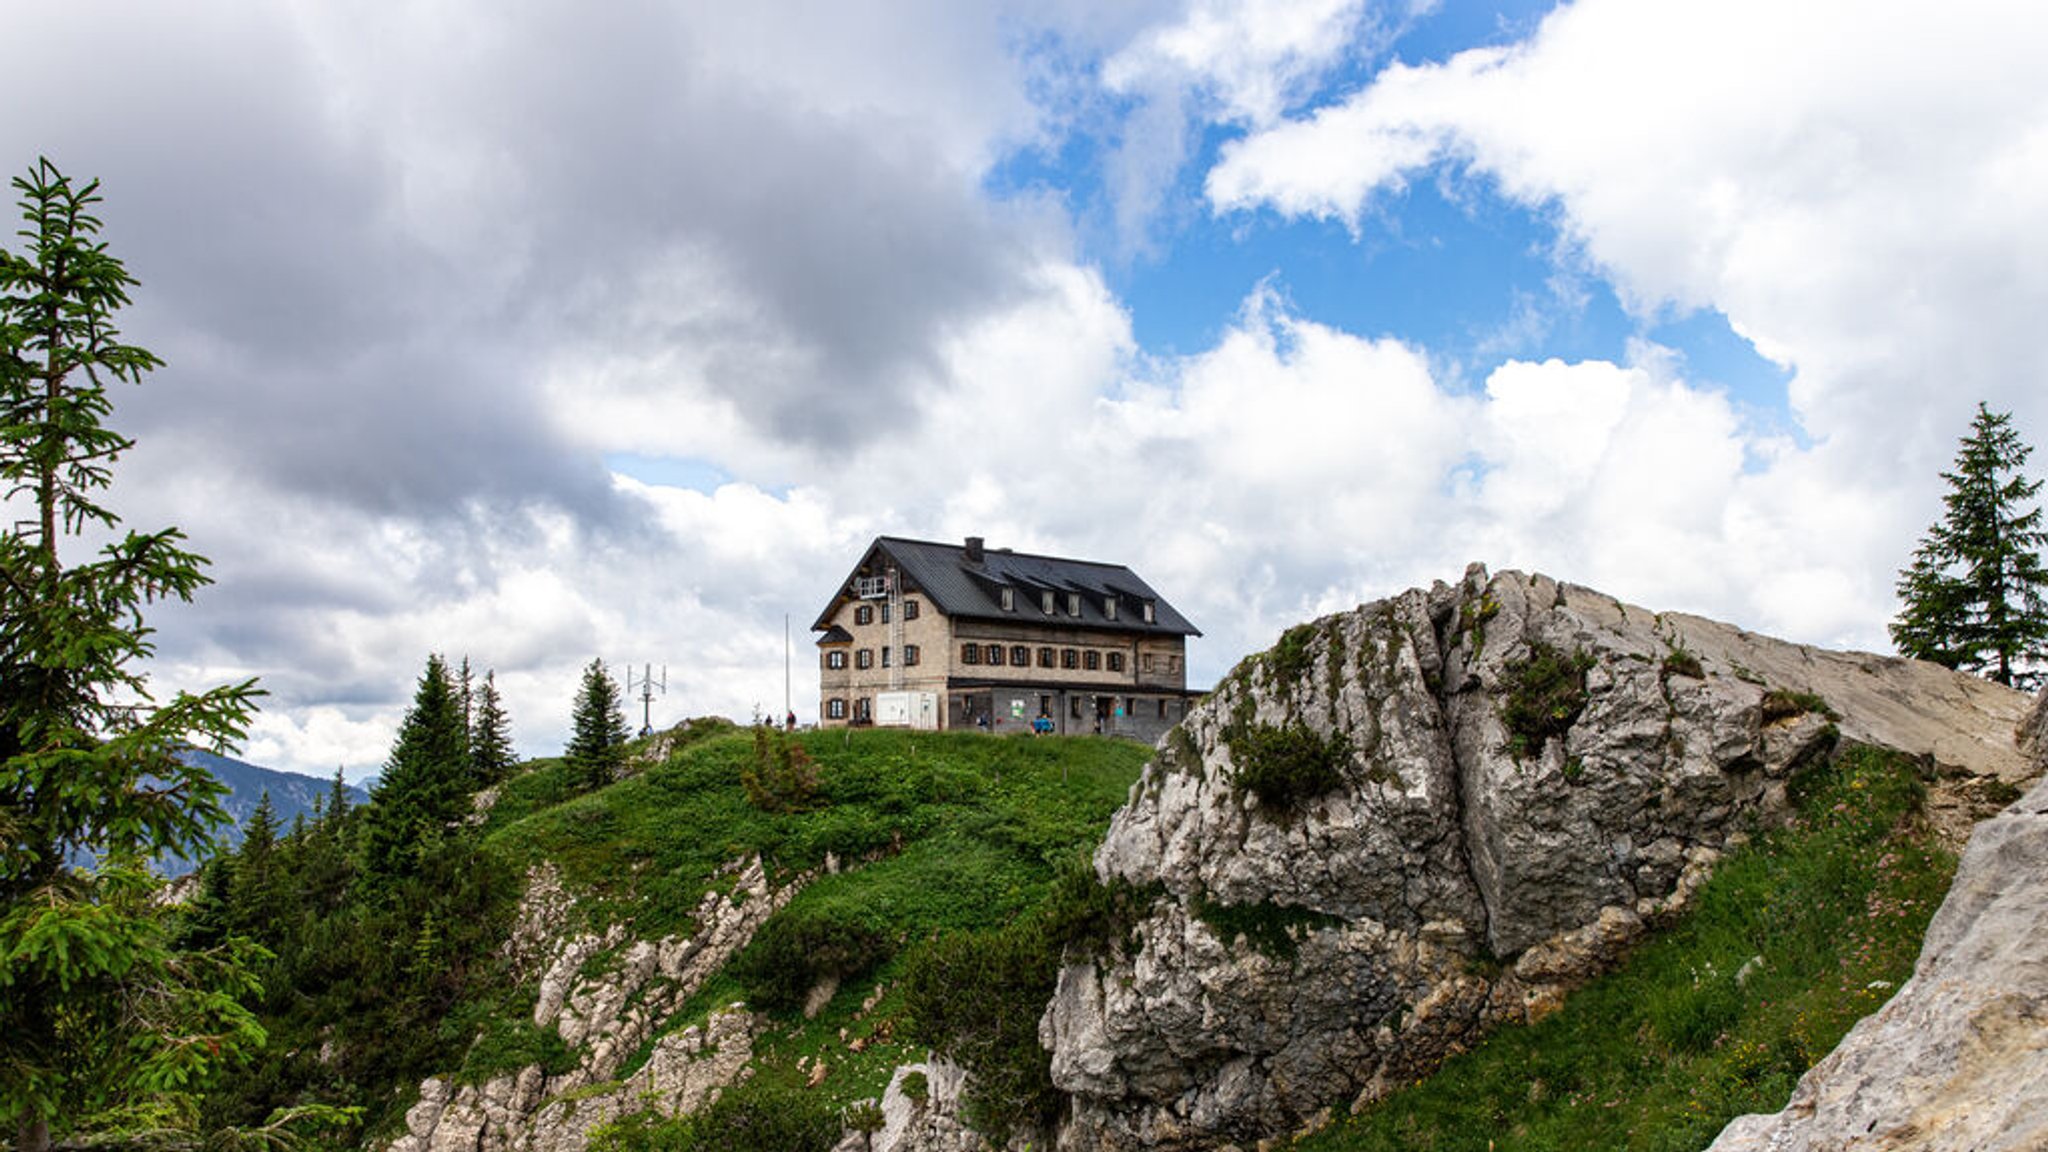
x=570, y=332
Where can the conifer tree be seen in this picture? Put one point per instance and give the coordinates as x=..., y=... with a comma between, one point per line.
x=259, y=834
x=465, y=684
x=337, y=797
x=490, y=735
x=426, y=783
x=1974, y=594
x=258, y=896
x=110, y=1025
x=597, y=744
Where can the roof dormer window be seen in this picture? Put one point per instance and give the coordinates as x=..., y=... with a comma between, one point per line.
x=1073, y=603
x=1109, y=607
x=1009, y=600
x=1045, y=602
x=1151, y=612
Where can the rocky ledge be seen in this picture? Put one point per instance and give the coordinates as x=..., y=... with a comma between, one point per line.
x=1434, y=814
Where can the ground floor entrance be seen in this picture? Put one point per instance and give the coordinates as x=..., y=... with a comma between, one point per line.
x=1047, y=710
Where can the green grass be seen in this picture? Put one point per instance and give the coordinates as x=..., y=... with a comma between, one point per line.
x=1661, y=1054
x=645, y=849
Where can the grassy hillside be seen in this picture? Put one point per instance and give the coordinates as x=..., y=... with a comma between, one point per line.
x=934, y=833
x=1790, y=943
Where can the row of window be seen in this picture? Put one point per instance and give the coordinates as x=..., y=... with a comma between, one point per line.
x=865, y=613
x=1014, y=655
x=835, y=659
x=861, y=709
x=1048, y=601
x=1019, y=656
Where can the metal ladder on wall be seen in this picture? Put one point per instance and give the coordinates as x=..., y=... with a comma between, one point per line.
x=895, y=610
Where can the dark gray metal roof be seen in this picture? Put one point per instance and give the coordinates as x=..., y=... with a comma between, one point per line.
x=960, y=587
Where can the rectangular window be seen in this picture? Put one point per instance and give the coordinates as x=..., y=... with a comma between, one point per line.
x=835, y=659
x=1045, y=704
x=910, y=609
x=1109, y=607
x=1074, y=706
x=910, y=655
x=970, y=653
x=864, y=614
x=1091, y=660
x=835, y=708
x=1045, y=601
x=1116, y=661
x=863, y=710
x=1151, y=612
x=1172, y=664
x=1069, y=658
x=1162, y=707
x=885, y=613
x=993, y=654
x=885, y=655
x=1073, y=603
x=1045, y=658
x=1009, y=600
x=1145, y=663
x=865, y=658
x=1020, y=656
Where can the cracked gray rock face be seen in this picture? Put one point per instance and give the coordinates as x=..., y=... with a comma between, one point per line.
x=1462, y=871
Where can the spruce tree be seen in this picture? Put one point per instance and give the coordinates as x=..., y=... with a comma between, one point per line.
x=337, y=797
x=465, y=686
x=258, y=892
x=597, y=744
x=426, y=784
x=1973, y=598
x=111, y=1025
x=490, y=735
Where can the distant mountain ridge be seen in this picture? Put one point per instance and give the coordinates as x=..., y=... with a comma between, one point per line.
x=291, y=795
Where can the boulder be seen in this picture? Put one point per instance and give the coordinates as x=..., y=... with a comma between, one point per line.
x=1454, y=805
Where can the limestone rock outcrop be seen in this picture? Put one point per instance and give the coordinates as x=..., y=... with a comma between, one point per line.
x=606, y=1016
x=929, y=1122
x=1957, y=1061
x=1447, y=808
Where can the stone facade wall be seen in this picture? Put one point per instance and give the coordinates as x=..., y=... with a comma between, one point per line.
x=931, y=632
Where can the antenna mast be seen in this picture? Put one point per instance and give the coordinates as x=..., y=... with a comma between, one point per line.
x=648, y=686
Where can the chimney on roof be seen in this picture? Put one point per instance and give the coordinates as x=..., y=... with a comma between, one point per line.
x=974, y=550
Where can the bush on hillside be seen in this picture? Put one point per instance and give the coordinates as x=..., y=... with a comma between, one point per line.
x=800, y=948
x=975, y=998
x=770, y=1112
x=781, y=776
